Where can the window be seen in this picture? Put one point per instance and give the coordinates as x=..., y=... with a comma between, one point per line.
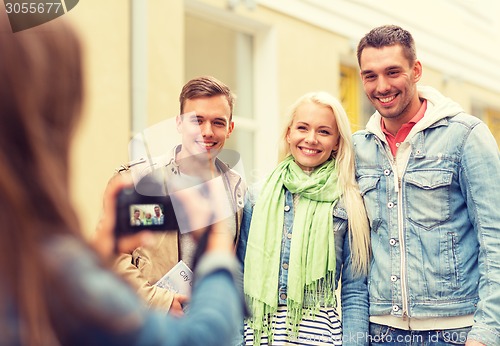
x=353, y=99
x=240, y=53
x=493, y=122
x=490, y=116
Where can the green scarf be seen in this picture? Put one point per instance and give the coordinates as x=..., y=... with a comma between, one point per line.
x=311, y=271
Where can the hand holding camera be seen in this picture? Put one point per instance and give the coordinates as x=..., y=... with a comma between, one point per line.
x=193, y=206
x=104, y=240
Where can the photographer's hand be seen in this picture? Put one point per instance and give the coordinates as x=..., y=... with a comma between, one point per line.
x=104, y=240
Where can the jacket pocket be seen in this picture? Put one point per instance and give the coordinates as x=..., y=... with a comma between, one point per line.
x=427, y=197
x=452, y=260
x=141, y=261
x=368, y=188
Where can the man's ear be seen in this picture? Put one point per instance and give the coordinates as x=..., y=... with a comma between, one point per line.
x=230, y=130
x=417, y=71
x=178, y=123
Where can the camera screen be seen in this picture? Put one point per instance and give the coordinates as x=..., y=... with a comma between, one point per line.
x=146, y=215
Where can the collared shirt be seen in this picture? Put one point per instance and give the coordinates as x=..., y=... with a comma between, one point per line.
x=394, y=141
x=430, y=225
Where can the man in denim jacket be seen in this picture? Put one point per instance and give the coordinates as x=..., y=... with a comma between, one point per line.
x=428, y=174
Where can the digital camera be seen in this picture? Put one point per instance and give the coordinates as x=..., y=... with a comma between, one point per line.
x=145, y=206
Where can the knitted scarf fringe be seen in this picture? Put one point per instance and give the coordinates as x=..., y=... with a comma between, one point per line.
x=318, y=294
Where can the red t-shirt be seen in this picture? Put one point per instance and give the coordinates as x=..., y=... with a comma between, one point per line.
x=394, y=141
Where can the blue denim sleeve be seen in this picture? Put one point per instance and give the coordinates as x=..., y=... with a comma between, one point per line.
x=354, y=298
x=212, y=319
x=215, y=313
x=241, y=247
x=479, y=176
x=108, y=312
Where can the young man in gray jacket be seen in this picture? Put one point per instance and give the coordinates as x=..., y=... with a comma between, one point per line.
x=204, y=123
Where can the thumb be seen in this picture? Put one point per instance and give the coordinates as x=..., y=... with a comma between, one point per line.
x=182, y=298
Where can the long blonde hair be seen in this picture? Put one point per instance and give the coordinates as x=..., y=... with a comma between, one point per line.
x=359, y=230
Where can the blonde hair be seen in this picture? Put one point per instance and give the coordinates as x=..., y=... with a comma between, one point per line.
x=359, y=231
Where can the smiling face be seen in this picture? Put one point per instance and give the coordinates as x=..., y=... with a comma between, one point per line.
x=313, y=135
x=157, y=211
x=389, y=81
x=204, y=126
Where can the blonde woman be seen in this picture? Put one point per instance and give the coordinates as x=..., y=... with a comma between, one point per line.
x=303, y=228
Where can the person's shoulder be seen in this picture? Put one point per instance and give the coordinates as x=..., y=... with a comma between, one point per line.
x=361, y=137
x=466, y=119
x=141, y=167
x=360, y=133
x=254, y=190
x=144, y=165
x=340, y=210
x=129, y=165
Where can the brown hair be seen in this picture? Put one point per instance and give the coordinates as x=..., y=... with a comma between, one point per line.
x=205, y=86
x=41, y=92
x=389, y=35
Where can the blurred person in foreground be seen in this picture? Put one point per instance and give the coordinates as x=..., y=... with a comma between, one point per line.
x=54, y=288
x=428, y=172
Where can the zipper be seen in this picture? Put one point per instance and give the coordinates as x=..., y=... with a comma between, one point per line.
x=402, y=246
x=402, y=243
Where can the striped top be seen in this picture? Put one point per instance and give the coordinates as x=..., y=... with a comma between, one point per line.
x=323, y=329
